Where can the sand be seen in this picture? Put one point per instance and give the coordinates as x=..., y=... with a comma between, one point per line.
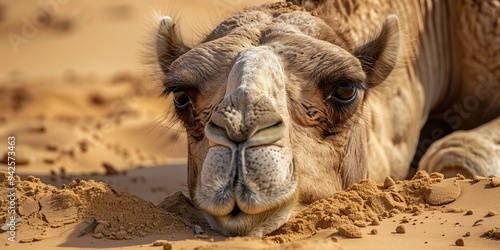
x=44, y=207
x=99, y=165
x=101, y=212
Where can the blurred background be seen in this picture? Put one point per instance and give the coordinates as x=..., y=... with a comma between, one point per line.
x=76, y=94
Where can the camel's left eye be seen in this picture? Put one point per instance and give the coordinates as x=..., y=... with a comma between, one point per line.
x=181, y=99
x=343, y=94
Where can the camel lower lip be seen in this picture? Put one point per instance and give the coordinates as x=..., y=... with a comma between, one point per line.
x=239, y=223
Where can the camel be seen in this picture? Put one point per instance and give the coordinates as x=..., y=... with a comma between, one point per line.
x=287, y=103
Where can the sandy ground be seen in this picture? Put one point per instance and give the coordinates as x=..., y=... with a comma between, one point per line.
x=91, y=129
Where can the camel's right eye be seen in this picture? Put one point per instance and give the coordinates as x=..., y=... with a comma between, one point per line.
x=181, y=99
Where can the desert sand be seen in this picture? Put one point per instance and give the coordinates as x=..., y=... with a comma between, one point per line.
x=100, y=165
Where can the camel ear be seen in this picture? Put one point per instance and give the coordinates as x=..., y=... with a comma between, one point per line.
x=169, y=45
x=378, y=57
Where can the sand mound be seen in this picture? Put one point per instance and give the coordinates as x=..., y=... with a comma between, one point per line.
x=180, y=205
x=120, y=215
x=367, y=203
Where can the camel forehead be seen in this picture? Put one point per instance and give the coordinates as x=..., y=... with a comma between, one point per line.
x=298, y=52
x=265, y=21
x=295, y=37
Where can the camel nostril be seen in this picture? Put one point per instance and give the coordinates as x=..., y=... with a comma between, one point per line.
x=278, y=124
x=264, y=128
x=218, y=135
x=218, y=129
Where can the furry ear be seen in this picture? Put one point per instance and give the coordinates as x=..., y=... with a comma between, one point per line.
x=169, y=45
x=378, y=57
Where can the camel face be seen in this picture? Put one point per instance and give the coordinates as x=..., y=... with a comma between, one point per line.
x=248, y=170
x=271, y=103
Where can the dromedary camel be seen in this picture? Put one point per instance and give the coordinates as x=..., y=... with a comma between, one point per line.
x=284, y=105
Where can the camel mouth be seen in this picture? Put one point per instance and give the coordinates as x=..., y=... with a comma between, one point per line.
x=243, y=185
x=243, y=209
x=236, y=210
x=239, y=223
x=242, y=194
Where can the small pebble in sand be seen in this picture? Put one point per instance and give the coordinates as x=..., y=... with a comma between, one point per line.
x=389, y=182
x=405, y=220
x=27, y=240
x=469, y=212
x=477, y=222
x=160, y=243
x=110, y=169
x=491, y=213
x=98, y=235
x=201, y=236
x=334, y=239
x=467, y=234
x=350, y=231
x=477, y=178
x=374, y=231
x=96, y=99
x=21, y=159
x=40, y=129
x=460, y=242
x=167, y=246
x=38, y=237
x=359, y=223
x=83, y=146
x=495, y=182
x=493, y=233
x=48, y=161
x=400, y=229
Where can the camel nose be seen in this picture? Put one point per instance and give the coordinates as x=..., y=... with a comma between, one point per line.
x=250, y=124
x=255, y=95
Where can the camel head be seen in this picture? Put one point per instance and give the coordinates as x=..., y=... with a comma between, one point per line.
x=272, y=103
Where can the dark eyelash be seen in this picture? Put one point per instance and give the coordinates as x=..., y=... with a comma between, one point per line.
x=328, y=84
x=358, y=85
x=178, y=87
x=170, y=89
x=355, y=84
